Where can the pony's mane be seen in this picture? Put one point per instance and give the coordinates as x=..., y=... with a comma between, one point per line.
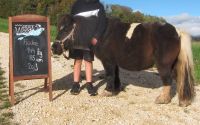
x=62, y=19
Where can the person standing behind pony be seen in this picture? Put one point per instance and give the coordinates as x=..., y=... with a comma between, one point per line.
x=91, y=17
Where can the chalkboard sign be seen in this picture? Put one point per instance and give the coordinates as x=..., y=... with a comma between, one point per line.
x=29, y=54
x=30, y=48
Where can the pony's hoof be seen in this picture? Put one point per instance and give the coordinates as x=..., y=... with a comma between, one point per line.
x=162, y=100
x=106, y=93
x=184, y=103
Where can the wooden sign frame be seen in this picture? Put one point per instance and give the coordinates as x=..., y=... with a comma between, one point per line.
x=12, y=78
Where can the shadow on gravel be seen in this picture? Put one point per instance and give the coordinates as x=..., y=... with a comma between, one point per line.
x=145, y=79
x=65, y=83
x=20, y=99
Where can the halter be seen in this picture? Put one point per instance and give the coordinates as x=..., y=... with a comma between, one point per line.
x=70, y=35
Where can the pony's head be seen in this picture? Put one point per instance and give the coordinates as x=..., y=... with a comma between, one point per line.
x=64, y=38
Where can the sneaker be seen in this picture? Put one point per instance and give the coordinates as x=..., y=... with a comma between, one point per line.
x=91, y=90
x=75, y=89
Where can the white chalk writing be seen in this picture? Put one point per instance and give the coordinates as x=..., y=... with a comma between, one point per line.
x=34, y=54
x=33, y=67
x=30, y=43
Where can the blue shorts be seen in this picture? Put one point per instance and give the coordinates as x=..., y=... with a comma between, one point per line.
x=87, y=55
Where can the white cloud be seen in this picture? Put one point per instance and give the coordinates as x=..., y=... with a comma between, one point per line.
x=191, y=24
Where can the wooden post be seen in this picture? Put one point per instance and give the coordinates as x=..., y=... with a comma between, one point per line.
x=45, y=83
x=49, y=60
x=11, y=79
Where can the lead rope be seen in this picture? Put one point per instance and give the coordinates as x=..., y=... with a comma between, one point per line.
x=71, y=35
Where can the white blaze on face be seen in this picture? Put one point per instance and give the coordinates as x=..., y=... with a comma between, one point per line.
x=131, y=29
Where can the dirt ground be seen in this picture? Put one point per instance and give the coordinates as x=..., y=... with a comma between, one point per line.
x=133, y=106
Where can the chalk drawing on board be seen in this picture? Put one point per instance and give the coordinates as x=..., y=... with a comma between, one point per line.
x=33, y=32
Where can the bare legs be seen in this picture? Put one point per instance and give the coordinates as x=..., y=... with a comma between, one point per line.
x=88, y=70
x=77, y=70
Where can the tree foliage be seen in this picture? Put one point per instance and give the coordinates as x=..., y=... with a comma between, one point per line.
x=55, y=8
x=126, y=14
x=52, y=8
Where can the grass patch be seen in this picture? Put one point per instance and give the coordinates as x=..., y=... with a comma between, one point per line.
x=6, y=115
x=3, y=25
x=2, y=85
x=1, y=72
x=196, y=56
x=53, y=33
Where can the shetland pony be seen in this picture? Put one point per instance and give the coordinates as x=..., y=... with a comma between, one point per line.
x=137, y=47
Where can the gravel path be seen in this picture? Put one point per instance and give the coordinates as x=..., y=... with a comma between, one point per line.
x=135, y=105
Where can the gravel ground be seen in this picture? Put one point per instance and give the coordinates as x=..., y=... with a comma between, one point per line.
x=133, y=106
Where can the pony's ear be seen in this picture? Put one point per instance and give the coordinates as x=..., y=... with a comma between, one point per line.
x=64, y=20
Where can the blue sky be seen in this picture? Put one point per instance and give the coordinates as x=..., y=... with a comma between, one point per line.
x=184, y=14
x=161, y=7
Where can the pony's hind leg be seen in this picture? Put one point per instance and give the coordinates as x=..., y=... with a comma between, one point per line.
x=165, y=96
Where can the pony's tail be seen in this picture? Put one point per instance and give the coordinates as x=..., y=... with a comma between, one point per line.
x=185, y=71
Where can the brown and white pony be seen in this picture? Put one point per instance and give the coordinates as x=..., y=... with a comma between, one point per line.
x=137, y=47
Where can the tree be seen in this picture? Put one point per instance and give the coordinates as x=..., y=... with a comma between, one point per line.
x=8, y=8
x=55, y=8
x=122, y=12
x=138, y=17
x=126, y=14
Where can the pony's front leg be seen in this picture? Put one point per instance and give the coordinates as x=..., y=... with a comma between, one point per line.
x=110, y=70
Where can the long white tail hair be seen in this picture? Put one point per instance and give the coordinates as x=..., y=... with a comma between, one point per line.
x=185, y=70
